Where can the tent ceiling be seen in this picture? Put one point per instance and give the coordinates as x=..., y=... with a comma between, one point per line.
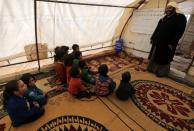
x=103, y=2
x=187, y=6
x=178, y=1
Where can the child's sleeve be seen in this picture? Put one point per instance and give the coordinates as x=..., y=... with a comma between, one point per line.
x=39, y=90
x=25, y=112
x=32, y=96
x=38, y=97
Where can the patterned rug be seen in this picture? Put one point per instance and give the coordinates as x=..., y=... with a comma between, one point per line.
x=115, y=63
x=72, y=123
x=170, y=108
x=51, y=81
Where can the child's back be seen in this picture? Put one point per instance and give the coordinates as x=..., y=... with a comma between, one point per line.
x=77, y=58
x=125, y=89
x=68, y=60
x=75, y=86
x=60, y=53
x=104, y=84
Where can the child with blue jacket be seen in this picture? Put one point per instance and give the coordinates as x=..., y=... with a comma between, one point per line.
x=33, y=92
x=20, y=109
x=104, y=84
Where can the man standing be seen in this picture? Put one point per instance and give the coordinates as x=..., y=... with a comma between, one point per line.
x=165, y=40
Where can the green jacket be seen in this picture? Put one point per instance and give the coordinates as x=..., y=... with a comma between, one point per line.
x=76, y=62
x=85, y=76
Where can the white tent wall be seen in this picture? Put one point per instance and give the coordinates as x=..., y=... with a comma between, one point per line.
x=64, y=24
x=124, y=19
x=16, y=25
x=57, y=24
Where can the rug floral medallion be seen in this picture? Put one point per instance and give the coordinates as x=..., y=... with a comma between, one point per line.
x=72, y=123
x=165, y=105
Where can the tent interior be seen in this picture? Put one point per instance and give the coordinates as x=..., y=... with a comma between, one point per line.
x=31, y=29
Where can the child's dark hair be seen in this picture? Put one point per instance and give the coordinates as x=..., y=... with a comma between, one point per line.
x=68, y=60
x=59, y=53
x=26, y=78
x=74, y=72
x=75, y=46
x=56, y=49
x=10, y=88
x=78, y=54
x=65, y=49
x=126, y=77
x=103, y=70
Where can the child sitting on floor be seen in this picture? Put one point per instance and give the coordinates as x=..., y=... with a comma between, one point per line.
x=20, y=109
x=75, y=48
x=125, y=89
x=33, y=93
x=60, y=52
x=104, y=84
x=85, y=73
x=68, y=61
x=75, y=86
x=77, y=58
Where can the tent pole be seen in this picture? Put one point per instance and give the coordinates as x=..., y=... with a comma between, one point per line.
x=139, y=4
x=87, y=4
x=36, y=36
x=126, y=23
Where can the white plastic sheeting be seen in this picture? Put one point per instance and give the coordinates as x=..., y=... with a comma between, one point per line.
x=16, y=26
x=102, y=2
x=58, y=24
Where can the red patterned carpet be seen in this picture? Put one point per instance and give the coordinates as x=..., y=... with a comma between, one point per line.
x=115, y=63
x=165, y=105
